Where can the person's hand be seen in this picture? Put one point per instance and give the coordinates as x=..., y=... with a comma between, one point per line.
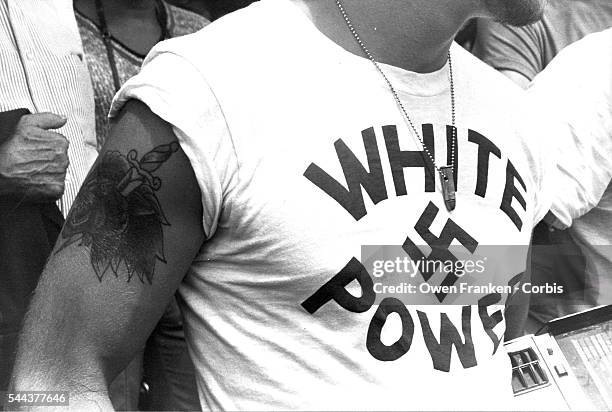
x=34, y=160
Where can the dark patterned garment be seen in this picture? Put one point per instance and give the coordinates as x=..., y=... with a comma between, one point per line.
x=180, y=22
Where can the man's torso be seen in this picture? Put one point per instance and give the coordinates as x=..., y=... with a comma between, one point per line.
x=308, y=124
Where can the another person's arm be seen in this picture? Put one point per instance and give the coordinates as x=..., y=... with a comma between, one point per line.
x=128, y=241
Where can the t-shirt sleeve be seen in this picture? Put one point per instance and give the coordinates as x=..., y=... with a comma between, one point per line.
x=504, y=47
x=577, y=111
x=176, y=91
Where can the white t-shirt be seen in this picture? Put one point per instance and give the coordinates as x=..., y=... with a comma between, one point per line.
x=576, y=87
x=281, y=125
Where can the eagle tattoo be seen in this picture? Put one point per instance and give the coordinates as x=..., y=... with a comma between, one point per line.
x=117, y=214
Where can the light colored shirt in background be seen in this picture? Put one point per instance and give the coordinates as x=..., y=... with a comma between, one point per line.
x=577, y=88
x=43, y=70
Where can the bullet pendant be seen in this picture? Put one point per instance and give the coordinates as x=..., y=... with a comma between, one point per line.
x=448, y=187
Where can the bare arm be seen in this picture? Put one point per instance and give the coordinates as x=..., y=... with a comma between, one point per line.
x=129, y=240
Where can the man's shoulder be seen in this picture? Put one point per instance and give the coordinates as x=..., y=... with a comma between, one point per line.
x=585, y=62
x=577, y=85
x=487, y=81
x=595, y=46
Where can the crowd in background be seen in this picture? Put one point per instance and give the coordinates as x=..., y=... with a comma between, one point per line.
x=56, y=91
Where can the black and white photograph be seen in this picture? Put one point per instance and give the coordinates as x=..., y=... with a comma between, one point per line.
x=305, y=205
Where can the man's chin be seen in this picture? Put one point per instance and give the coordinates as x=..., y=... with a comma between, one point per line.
x=516, y=12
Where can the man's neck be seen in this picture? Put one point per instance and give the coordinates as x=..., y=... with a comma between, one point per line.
x=414, y=35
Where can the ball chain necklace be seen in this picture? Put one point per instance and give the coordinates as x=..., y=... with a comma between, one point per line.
x=446, y=172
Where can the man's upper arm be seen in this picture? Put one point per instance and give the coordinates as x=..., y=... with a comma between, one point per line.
x=129, y=239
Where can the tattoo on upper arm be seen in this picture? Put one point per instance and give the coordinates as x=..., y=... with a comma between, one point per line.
x=118, y=216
